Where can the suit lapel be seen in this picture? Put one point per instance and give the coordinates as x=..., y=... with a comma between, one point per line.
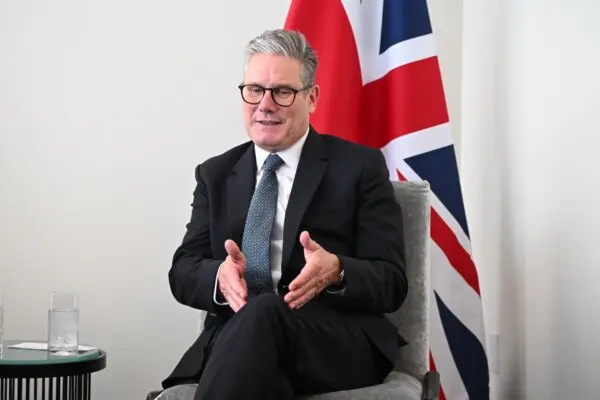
x=240, y=187
x=309, y=174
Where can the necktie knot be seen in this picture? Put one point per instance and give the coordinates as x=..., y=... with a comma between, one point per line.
x=272, y=162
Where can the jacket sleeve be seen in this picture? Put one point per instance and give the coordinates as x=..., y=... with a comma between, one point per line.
x=375, y=278
x=194, y=270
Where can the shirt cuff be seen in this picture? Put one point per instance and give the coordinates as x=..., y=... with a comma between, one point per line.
x=338, y=289
x=217, y=294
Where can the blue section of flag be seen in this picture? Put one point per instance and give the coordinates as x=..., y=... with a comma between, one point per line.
x=467, y=352
x=403, y=20
x=440, y=169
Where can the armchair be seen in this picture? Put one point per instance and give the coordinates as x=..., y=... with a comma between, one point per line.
x=411, y=378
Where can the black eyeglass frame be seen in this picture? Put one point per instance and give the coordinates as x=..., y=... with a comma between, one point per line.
x=265, y=90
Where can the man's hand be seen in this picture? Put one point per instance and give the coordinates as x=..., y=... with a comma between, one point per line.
x=321, y=270
x=231, y=277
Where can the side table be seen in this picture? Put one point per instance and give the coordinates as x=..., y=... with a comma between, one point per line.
x=38, y=374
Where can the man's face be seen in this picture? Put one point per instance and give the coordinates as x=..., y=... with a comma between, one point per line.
x=269, y=125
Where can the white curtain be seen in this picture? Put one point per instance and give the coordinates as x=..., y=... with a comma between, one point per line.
x=529, y=165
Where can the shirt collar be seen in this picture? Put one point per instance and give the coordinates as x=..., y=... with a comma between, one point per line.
x=290, y=156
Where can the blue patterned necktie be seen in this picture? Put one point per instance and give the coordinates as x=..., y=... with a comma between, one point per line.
x=256, y=242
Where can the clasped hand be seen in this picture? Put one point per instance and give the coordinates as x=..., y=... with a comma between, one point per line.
x=321, y=270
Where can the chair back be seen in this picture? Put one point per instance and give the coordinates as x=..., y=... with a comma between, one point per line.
x=412, y=319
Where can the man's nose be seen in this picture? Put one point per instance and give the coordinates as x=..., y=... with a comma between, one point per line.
x=267, y=104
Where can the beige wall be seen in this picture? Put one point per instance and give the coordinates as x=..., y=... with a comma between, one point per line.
x=529, y=144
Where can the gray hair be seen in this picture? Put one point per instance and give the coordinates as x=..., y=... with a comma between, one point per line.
x=292, y=44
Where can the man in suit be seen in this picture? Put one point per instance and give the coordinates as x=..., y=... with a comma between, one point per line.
x=294, y=248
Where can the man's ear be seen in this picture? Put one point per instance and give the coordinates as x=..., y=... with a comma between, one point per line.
x=313, y=97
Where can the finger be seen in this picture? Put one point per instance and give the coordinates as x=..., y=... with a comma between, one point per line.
x=235, y=304
x=235, y=300
x=230, y=283
x=244, y=288
x=234, y=251
x=307, y=242
x=307, y=273
x=239, y=289
x=293, y=297
x=296, y=294
x=313, y=287
x=239, y=307
x=304, y=299
x=240, y=268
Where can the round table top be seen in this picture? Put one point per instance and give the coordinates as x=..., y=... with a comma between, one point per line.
x=19, y=356
x=28, y=362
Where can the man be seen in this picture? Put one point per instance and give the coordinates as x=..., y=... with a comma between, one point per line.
x=294, y=248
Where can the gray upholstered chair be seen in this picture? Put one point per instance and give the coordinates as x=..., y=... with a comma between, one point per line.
x=411, y=378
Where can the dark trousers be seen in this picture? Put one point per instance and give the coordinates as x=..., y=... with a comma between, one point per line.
x=267, y=351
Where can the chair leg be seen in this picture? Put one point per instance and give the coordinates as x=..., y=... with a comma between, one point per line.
x=431, y=385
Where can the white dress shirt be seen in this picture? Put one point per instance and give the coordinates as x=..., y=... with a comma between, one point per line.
x=285, y=178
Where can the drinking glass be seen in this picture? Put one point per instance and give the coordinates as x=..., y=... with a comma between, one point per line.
x=63, y=323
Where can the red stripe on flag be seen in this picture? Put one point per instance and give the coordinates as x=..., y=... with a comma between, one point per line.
x=401, y=177
x=458, y=257
x=328, y=30
x=432, y=367
x=408, y=99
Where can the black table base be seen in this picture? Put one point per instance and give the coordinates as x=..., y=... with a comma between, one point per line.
x=76, y=387
x=53, y=381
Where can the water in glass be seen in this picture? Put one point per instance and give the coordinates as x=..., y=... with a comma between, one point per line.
x=63, y=332
x=63, y=324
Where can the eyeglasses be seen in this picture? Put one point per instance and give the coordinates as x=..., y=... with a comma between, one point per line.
x=283, y=96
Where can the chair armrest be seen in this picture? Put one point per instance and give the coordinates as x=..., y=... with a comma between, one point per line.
x=431, y=386
x=153, y=394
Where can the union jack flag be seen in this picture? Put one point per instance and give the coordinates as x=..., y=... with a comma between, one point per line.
x=381, y=86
